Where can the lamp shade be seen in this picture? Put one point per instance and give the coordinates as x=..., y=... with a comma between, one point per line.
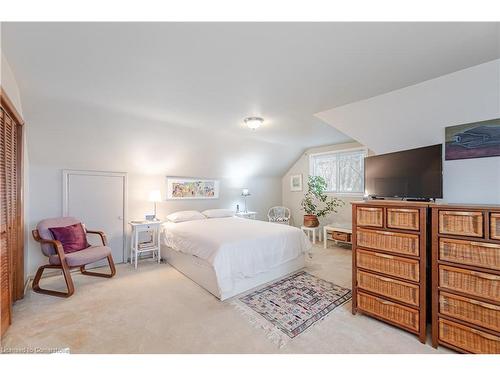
x=245, y=192
x=155, y=196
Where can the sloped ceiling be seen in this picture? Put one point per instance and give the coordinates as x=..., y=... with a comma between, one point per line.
x=170, y=97
x=416, y=116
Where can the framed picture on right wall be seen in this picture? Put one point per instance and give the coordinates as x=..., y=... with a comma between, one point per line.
x=474, y=140
x=296, y=182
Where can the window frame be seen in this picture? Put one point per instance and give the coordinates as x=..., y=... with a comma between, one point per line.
x=336, y=152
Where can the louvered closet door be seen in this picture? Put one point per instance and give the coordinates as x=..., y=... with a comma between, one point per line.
x=11, y=258
x=5, y=261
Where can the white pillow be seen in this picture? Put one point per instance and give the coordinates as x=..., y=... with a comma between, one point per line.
x=218, y=212
x=181, y=216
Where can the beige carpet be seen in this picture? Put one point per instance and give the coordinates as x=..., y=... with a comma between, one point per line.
x=158, y=310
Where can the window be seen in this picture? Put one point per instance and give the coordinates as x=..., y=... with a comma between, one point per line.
x=343, y=171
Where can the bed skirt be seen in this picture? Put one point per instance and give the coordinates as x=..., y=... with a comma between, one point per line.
x=203, y=274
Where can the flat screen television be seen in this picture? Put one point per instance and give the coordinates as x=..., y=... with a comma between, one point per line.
x=413, y=174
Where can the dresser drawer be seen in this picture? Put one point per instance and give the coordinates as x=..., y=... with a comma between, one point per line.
x=395, y=289
x=393, y=312
x=461, y=223
x=468, y=339
x=475, y=283
x=495, y=225
x=468, y=309
x=400, y=243
x=474, y=253
x=403, y=218
x=370, y=216
x=388, y=264
x=340, y=236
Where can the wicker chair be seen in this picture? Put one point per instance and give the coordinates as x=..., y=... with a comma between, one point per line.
x=279, y=215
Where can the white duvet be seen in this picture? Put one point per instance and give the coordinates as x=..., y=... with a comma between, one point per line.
x=237, y=247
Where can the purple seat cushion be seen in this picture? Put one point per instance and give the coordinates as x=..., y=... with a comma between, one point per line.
x=72, y=237
x=79, y=258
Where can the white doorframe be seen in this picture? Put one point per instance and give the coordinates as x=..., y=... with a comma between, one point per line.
x=65, y=197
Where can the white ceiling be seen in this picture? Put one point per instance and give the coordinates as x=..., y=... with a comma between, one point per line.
x=212, y=75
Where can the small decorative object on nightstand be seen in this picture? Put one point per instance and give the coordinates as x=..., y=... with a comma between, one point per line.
x=153, y=245
x=336, y=234
x=247, y=215
x=311, y=232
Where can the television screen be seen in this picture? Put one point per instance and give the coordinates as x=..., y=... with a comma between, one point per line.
x=416, y=173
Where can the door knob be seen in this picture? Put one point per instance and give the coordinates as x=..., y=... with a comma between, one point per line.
x=120, y=217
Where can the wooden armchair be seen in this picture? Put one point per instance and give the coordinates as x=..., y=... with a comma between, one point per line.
x=58, y=259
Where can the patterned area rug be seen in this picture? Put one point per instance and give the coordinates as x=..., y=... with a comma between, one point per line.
x=296, y=302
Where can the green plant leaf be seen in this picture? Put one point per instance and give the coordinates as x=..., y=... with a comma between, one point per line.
x=316, y=201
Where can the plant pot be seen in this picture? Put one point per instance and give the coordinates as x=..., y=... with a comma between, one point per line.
x=311, y=221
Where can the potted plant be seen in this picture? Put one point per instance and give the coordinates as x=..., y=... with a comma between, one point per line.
x=316, y=203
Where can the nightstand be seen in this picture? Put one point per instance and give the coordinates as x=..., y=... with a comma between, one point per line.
x=137, y=248
x=247, y=215
x=311, y=232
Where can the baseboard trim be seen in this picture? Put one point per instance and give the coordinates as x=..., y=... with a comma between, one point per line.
x=27, y=284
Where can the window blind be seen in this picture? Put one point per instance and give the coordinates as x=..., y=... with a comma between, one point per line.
x=343, y=171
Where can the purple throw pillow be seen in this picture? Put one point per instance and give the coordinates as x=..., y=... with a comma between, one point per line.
x=72, y=237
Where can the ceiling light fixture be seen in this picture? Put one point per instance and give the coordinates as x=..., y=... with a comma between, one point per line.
x=254, y=122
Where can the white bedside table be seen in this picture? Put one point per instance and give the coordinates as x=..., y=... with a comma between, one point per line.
x=337, y=234
x=247, y=215
x=136, y=248
x=312, y=232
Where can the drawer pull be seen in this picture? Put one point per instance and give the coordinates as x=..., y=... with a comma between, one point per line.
x=486, y=276
x=385, y=256
x=462, y=213
x=485, y=305
x=388, y=233
x=386, y=302
x=385, y=279
x=484, y=244
x=447, y=302
x=486, y=335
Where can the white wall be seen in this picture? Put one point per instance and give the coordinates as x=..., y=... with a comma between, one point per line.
x=46, y=197
x=416, y=116
x=292, y=199
x=265, y=193
x=66, y=135
x=9, y=85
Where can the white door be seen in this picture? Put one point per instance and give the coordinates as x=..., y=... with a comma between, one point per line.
x=98, y=199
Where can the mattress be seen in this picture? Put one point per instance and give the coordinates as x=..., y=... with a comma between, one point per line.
x=237, y=248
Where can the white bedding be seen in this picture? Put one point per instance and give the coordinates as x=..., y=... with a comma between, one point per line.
x=236, y=247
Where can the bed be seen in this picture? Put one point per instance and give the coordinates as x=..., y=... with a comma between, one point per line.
x=230, y=255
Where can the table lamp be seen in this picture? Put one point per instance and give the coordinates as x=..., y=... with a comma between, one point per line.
x=245, y=193
x=155, y=196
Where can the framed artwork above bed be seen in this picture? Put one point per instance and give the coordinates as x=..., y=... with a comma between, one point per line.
x=192, y=188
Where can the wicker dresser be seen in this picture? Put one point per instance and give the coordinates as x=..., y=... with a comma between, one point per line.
x=389, y=262
x=466, y=278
